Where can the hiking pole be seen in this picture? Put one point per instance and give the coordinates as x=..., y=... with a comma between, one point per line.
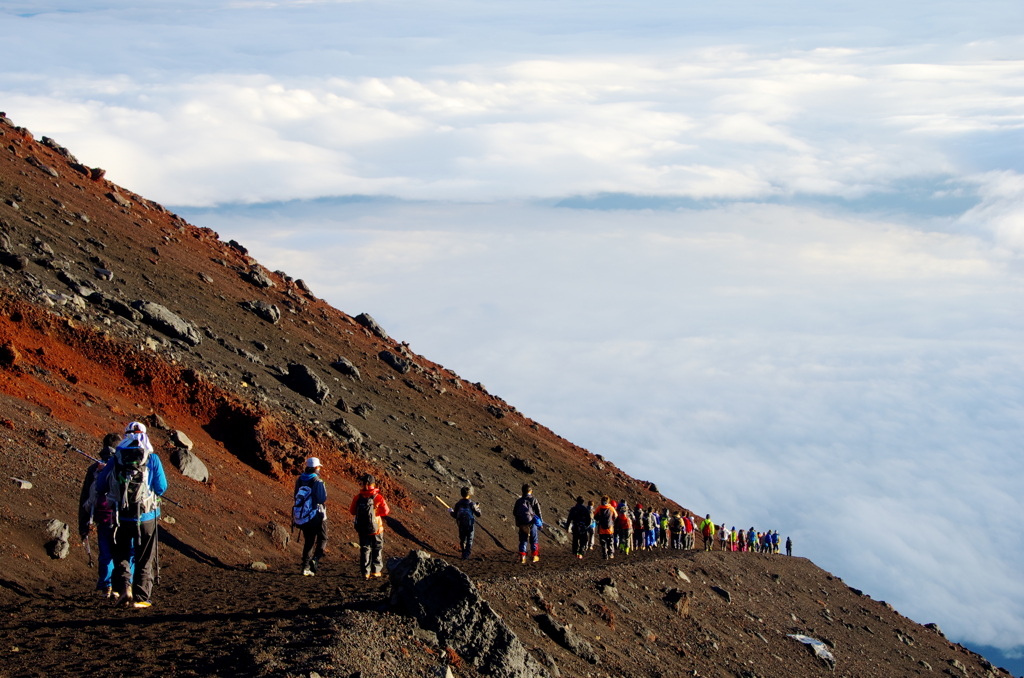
x=163, y=498
x=156, y=549
x=88, y=550
x=442, y=502
x=87, y=456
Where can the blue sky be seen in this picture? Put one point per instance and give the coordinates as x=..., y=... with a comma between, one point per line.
x=767, y=255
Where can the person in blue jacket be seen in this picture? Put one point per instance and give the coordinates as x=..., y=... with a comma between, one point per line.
x=133, y=482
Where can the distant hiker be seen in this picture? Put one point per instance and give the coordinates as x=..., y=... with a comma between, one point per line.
x=741, y=540
x=309, y=514
x=723, y=538
x=592, y=530
x=676, y=529
x=707, y=531
x=369, y=509
x=579, y=518
x=751, y=540
x=95, y=510
x=789, y=546
x=688, y=529
x=663, y=533
x=624, y=529
x=133, y=482
x=465, y=513
x=605, y=517
x=526, y=512
x=775, y=541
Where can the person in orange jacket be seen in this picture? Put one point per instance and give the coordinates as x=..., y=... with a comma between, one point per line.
x=605, y=516
x=369, y=509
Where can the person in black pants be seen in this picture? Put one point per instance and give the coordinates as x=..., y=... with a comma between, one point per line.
x=465, y=513
x=579, y=520
x=310, y=515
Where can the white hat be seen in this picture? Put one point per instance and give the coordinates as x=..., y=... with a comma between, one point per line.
x=312, y=462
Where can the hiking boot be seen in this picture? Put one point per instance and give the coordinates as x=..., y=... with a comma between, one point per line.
x=312, y=566
x=367, y=575
x=375, y=574
x=536, y=558
x=105, y=593
x=141, y=604
x=306, y=572
x=522, y=560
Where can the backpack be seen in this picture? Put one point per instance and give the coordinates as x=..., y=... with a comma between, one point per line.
x=464, y=516
x=604, y=518
x=305, y=509
x=624, y=522
x=129, y=487
x=367, y=523
x=523, y=511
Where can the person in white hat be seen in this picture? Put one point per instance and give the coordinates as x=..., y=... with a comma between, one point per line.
x=310, y=515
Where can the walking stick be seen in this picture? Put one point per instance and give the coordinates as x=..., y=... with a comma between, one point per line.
x=85, y=543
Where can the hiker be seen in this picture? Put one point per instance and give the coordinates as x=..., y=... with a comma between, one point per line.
x=465, y=512
x=707, y=532
x=789, y=546
x=688, y=528
x=605, y=517
x=132, y=482
x=526, y=512
x=369, y=509
x=751, y=540
x=732, y=539
x=775, y=541
x=624, y=528
x=580, y=517
x=592, y=530
x=675, y=527
x=95, y=511
x=663, y=533
x=723, y=538
x=309, y=514
x=741, y=541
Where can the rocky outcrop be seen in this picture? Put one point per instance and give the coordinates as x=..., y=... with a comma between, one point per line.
x=345, y=366
x=400, y=365
x=444, y=600
x=305, y=382
x=264, y=310
x=367, y=321
x=163, y=320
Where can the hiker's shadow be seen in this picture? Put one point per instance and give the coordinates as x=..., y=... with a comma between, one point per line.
x=398, y=528
x=191, y=551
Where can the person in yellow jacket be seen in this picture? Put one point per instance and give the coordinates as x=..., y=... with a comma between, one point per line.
x=707, y=531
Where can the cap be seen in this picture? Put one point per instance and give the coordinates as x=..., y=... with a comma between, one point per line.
x=135, y=427
x=312, y=462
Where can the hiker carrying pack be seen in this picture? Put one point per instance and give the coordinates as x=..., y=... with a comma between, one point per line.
x=605, y=518
x=309, y=514
x=526, y=512
x=465, y=513
x=370, y=509
x=132, y=482
x=94, y=510
x=579, y=519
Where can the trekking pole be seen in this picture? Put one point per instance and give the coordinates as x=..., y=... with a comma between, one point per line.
x=88, y=550
x=156, y=549
x=87, y=456
x=163, y=498
x=442, y=502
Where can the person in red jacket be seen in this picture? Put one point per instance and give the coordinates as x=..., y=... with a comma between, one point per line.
x=369, y=509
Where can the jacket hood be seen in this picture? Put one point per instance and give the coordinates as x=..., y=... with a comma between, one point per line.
x=372, y=492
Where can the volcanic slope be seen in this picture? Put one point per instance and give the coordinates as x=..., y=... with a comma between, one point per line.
x=114, y=309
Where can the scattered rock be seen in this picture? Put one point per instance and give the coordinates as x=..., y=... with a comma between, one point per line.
x=560, y=536
x=305, y=382
x=522, y=465
x=58, y=536
x=346, y=430
x=301, y=284
x=278, y=535
x=38, y=164
x=722, y=592
x=682, y=575
x=652, y=487
x=15, y=262
x=257, y=278
x=935, y=627
x=22, y=484
x=369, y=323
x=9, y=355
x=206, y=279
x=179, y=439
x=168, y=519
x=103, y=273
x=925, y=665
x=363, y=410
x=496, y=411
x=444, y=600
x=678, y=600
x=437, y=468
x=345, y=366
x=237, y=246
x=258, y=566
x=817, y=647
x=598, y=465
x=400, y=365
x=264, y=310
x=564, y=635
x=97, y=173
x=606, y=587
x=190, y=465
x=958, y=665
x=120, y=199
x=163, y=320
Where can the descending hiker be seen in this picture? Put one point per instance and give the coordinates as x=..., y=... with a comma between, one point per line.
x=526, y=512
x=688, y=528
x=580, y=517
x=789, y=546
x=370, y=509
x=465, y=512
x=605, y=517
x=96, y=511
x=133, y=482
x=309, y=514
x=707, y=531
x=624, y=528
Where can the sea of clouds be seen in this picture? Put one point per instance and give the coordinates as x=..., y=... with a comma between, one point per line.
x=770, y=257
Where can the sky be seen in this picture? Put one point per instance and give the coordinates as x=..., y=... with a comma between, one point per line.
x=768, y=255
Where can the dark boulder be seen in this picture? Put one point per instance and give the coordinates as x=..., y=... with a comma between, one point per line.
x=263, y=309
x=345, y=366
x=400, y=365
x=305, y=382
x=346, y=430
x=722, y=592
x=367, y=321
x=522, y=465
x=163, y=320
x=257, y=278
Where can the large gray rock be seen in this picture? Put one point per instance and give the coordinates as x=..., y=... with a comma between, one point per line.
x=400, y=365
x=305, y=382
x=190, y=465
x=179, y=439
x=367, y=321
x=58, y=539
x=163, y=320
x=347, y=430
x=345, y=366
x=258, y=278
x=444, y=600
x=263, y=309
x=564, y=635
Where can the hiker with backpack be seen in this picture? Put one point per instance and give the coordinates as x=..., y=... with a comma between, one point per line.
x=132, y=482
x=624, y=528
x=465, y=512
x=579, y=519
x=789, y=546
x=688, y=538
x=675, y=529
x=95, y=511
x=723, y=538
x=526, y=512
x=370, y=509
x=707, y=532
x=751, y=540
x=309, y=514
x=605, y=517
